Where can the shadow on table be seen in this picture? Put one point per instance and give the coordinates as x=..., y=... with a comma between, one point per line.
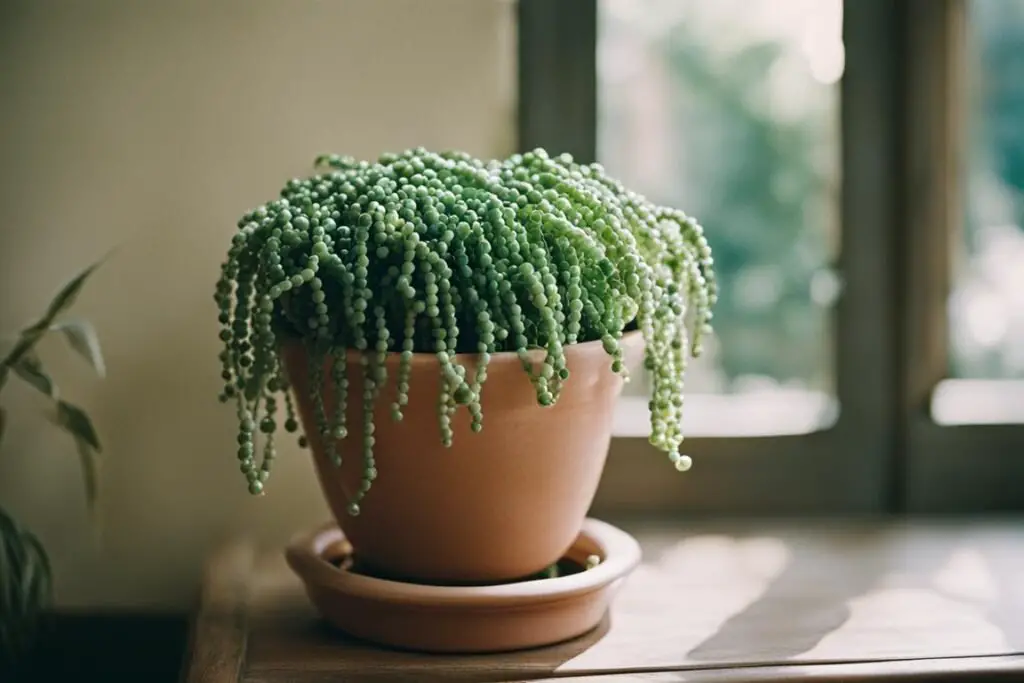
x=811, y=598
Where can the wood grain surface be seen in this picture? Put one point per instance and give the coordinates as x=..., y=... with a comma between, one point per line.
x=725, y=602
x=218, y=634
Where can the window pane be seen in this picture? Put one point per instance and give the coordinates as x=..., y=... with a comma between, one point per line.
x=986, y=309
x=728, y=110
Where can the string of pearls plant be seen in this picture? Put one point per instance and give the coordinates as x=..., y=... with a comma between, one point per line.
x=443, y=253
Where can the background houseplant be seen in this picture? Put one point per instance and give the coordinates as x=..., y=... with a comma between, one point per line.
x=25, y=575
x=393, y=293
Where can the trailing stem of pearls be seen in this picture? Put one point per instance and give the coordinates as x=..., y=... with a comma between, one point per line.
x=446, y=254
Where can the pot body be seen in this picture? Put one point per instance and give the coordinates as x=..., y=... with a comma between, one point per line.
x=496, y=505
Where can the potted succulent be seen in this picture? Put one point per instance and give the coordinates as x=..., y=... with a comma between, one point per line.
x=25, y=575
x=450, y=335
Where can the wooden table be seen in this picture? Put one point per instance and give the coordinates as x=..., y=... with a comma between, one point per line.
x=755, y=601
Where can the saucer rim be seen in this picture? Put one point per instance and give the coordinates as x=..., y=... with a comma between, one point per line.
x=620, y=553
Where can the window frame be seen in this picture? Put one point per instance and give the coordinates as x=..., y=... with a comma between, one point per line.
x=949, y=468
x=899, y=156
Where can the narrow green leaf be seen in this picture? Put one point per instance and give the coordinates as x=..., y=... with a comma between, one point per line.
x=30, y=369
x=35, y=575
x=32, y=334
x=77, y=423
x=3, y=423
x=26, y=341
x=68, y=293
x=82, y=337
x=8, y=534
x=44, y=571
x=26, y=585
x=90, y=471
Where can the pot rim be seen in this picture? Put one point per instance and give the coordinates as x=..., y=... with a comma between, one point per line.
x=628, y=340
x=620, y=554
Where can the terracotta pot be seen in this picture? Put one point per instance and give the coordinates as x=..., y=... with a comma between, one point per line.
x=497, y=505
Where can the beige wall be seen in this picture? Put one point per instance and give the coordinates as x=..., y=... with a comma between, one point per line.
x=153, y=125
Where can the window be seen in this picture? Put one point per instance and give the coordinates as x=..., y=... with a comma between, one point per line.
x=730, y=111
x=871, y=314
x=986, y=305
x=964, y=399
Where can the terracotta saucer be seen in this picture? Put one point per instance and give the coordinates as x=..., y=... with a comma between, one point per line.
x=464, y=619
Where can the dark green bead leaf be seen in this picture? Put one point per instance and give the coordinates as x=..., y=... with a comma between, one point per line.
x=252, y=388
x=82, y=337
x=77, y=423
x=30, y=369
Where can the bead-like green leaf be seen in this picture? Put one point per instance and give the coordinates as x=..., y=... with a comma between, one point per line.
x=30, y=369
x=82, y=337
x=448, y=255
x=77, y=423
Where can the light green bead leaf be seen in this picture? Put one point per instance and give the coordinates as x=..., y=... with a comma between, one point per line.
x=449, y=255
x=30, y=369
x=82, y=337
x=77, y=423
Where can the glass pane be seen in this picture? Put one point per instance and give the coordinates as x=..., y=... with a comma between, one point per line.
x=986, y=308
x=728, y=110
